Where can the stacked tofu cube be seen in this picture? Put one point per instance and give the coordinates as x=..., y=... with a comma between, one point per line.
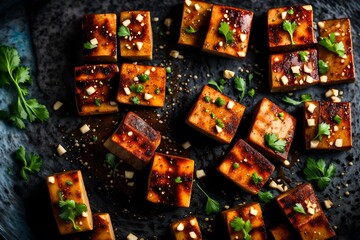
x=134, y=141
x=186, y=229
x=170, y=180
x=216, y=115
x=103, y=229
x=336, y=116
x=312, y=223
x=94, y=89
x=142, y=85
x=242, y=163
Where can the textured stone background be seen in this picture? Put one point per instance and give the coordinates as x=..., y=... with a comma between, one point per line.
x=47, y=35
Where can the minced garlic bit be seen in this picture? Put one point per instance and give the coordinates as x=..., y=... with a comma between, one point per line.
x=321, y=24
x=131, y=236
x=180, y=227
x=84, y=214
x=148, y=96
x=242, y=37
x=188, y=3
x=61, y=150
x=310, y=122
x=57, y=105
x=94, y=41
x=193, y=235
x=139, y=18
x=241, y=54
x=186, y=145
x=127, y=91
x=283, y=15
x=126, y=22
x=84, y=129
x=139, y=45
x=338, y=142
x=228, y=74
x=295, y=69
x=192, y=222
x=328, y=203
x=200, y=173
x=174, y=53
x=311, y=108
x=230, y=105
x=314, y=143
x=129, y=174
x=323, y=78
x=90, y=90
x=168, y=22
x=335, y=99
x=284, y=80
x=218, y=129
x=253, y=211
x=286, y=163
x=51, y=179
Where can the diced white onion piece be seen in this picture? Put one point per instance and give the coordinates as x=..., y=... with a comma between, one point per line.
x=192, y=222
x=84, y=128
x=338, y=142
x=243, y=37
x=127, y=91
x=148, y=96
x=314, y=143
x=90, y=90
x=129, y=174
x=188, y=3
x=57, y=105
x=126, y=22
x=218, y=129
x=230, y=105
x=311, y=122
x=139, y=18
x=139, y=45
x=253, y=211
x=186, y=145
x=321, y=24
x=197, y=7
x=131, y=236
x=295, y=69
x=241, y=54
x=51, y=179
x=307, y=69
x=180, y=227
x=193, y=235
x=61, y=150
x=228, y=74
x=309, y=79
x=284, y=80
x=311, y=108
x=323, y=78
x=200, y=173
x=283, y=15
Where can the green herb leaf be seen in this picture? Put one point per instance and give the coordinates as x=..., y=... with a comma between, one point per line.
x=290, y=11
x=256, y=178
x=337, y=119
x=207, y=99
x=31, y=163
x=251, y=92
x=265, y=196
x=137, y=88
x=190, y=30
x=240, y=85
x=323, y=129
x=238, y=224
x=110, y=161
x=219, y=123
x=220, y=88
x=323, y=67
x=236, y=165
x=299, y=208
x=281, y=115
x=178, y=180
x=274, y=143
x=306, y=97
x=97, y=102
x=304, y=56
x=89, y=46
x=157, y=90
x=143, y=77
x=212, y=115
x=168, y=69
x=303, y=97
x=123, y=31
x=331, y=45
x=135, y=100
x=316, y=170
x=69, y=182
x=224, y=29
x=290, y=28
x=251, y=77
x=212, y=206
x=69, y=210
x=220, y=102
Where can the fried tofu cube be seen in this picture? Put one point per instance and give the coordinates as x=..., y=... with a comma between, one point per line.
x=216, y=115
x=242, y=163
x=103, y=229
x=249, y=212
x=186, y=229
x=70, y=186
x=299, y=19
x=340, y=69
x=142, y=85
x=283, y=231
x=194, y=23
x=99, y=37
x=94, y=89
x=311, y=224
x=336, y=116
x=273, y=122
x=170, y=180
x=292, y=71
x=134, y=141
x=136, y=44
x=227, y=20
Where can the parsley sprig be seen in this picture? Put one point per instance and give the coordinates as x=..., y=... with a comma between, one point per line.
x=70, y=210
x=316, y=170
x=31, y=162
x=219, y=86
x=304, y=56
x=333, y=46
x=265, y=196
x=323, y=129
x=303, y=97
x=110, y=161
x=190, y=30
x=224, y=29
x=274, y=143
x=13, y=74
x=240, y=85
x=323, y=67
x=123, y=31
x=212, y=206
x=299, y=208
x=256, y=178
x=238, y=224
x=88, y=45
x=290, y=28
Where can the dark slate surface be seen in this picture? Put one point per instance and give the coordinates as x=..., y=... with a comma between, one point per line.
x=47, y=35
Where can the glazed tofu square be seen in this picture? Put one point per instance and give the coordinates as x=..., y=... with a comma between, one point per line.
x=332, y=120
x=292, y=71
x=340, y=64
x=170, y=180
x=95, y=89
x=304, y=212
x=251, y=213
x=142, y=85
x=103, y=229
x=290, y=28
x=246, y=167
x=134, y=141
x=272, y=131
x=194, y=23
x=68, y=188
x=99, y=37
x=186, y=229
x=229, y=32
x=135, y=35
x=216, y=115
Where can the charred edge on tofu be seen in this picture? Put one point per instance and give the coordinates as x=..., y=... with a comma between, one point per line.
x=164, y=185
x=142, y=126
x=90, y=26
x=319, y=222
x=107, y=70
x=300, y=16
x=100, y=223
x=329, y=110
x=65, y=188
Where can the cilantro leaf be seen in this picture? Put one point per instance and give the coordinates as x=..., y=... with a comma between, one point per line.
x=135, y=100
x=337, y=119
x=256, y=178
x=250, y=78
x=89, y=46
x=331, y=45
x=31, y=162
x=290, y=11
x=274, y=143
x=178, y=179
x=304, y=98
x=290, y=28
x=123, y=31
x=323, y=67
x=212, y=206
x=219, y=87
x=240, y=85
x=323, y=129
x=265, y=196
x=238, y=224
x=316, y=170
x=224, y=29
x=143, y=77
x=299, y=208
x=304, y=56
x=69, y=210
x=9, y=59
x=251, y=92
x=138, y=88
x=190, y=30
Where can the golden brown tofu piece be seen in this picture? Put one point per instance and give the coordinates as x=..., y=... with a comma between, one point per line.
x=303, y=35
x=138, y=45
x=284, y=232
x=216, y=115
x=70, y=186
x=292, y=71
x=241, y=163
x=170, y=180
x=313, y=218
x=239, y=22
x=340, y=69
x=271, y=119
x=99, y=37
x=186, y=229
x=194, y=23
x=94, y=89
x=337, y=116
x=134, y=141
x=251, y=212
x=142, y=85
